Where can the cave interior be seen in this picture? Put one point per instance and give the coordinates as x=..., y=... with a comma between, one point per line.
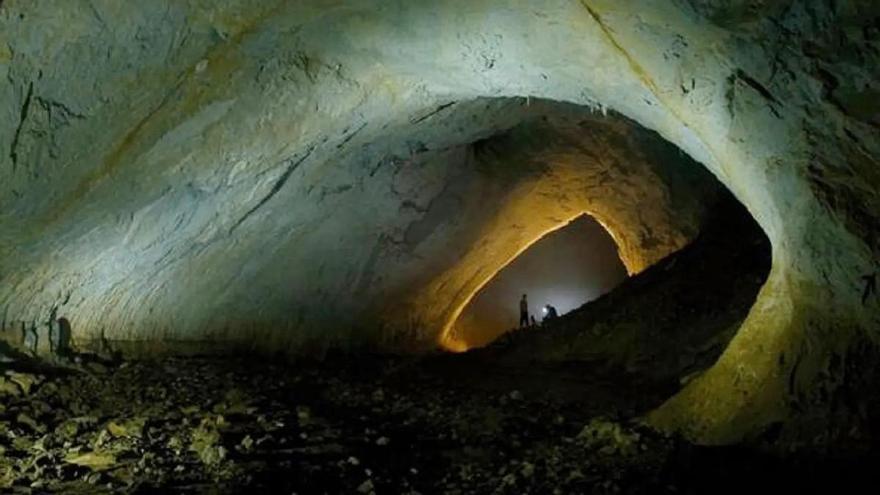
x=280, y=246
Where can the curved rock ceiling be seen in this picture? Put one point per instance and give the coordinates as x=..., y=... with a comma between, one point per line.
x=569, y=267
x=301, y=174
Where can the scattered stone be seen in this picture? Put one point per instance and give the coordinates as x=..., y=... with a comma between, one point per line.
x=92, y=460
x=24, y=419
x=132, y=427
x=366, y=487
x=190, y=410
x=205, y=441
x=303, y=415
x=609, y=438
x=8, y=387
x=25, y=381
x=247, y=444
x=144, y=426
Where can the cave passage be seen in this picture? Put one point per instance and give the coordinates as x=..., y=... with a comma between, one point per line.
x=662, y=327
x=566, y=268
x=244, y=244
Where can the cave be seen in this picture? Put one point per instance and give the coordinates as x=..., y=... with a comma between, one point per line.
x=567, y=267
x=246, y=246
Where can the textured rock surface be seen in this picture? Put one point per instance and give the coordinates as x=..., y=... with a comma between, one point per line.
x=409, y=426
x=665, y=325
x=182, y=170
x=384, y=242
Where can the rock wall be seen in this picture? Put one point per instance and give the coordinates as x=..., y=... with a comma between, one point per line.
x=388, y=242
x=178, y=170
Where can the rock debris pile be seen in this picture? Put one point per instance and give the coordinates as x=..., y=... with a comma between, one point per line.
x=213, y=425
x=366, y=425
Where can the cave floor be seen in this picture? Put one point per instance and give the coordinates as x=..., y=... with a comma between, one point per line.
x=355, y=425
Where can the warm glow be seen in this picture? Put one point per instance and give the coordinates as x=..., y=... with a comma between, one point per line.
x=448, y=340
x=451, y=344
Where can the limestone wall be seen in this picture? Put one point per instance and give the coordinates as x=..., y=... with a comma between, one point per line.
x=183, y=169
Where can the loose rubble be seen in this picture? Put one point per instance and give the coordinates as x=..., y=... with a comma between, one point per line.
x=366, y=425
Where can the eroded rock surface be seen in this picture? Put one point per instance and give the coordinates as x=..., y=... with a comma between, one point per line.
x=274, y=172
x=362, y=425
x=396, y=246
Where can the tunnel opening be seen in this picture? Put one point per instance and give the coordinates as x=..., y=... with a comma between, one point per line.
x=254, y=178
x=566, y=268
x=648, y=198
x=695, y=257
x=432, y=206
x=649, y=335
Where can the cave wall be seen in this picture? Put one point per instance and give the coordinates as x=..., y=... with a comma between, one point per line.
x=650, y=198
x=182, y=170
x=357, y=253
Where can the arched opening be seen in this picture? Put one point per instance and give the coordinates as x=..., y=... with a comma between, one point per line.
x=566, y=268
x=651, y=334
x=298, y=176
x=666, y=325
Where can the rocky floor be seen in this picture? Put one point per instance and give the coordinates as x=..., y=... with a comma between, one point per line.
x=344, y=425
x=542, y=411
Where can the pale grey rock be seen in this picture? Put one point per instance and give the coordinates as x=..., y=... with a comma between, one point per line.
x=300, y=175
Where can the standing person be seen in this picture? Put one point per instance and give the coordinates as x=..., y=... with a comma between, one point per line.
x=550, y=312
x=523, y=312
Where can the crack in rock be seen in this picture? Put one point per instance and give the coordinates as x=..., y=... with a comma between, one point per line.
x=25, y=109
x=292, y=166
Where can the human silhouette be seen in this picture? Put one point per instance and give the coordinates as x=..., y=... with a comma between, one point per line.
x=550, y=313
x=523, y=312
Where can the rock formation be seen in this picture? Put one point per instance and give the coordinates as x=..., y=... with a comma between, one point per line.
x=292, y=175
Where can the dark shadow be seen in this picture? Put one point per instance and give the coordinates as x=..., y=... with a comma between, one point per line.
x=62, y=344
x=630, y=350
